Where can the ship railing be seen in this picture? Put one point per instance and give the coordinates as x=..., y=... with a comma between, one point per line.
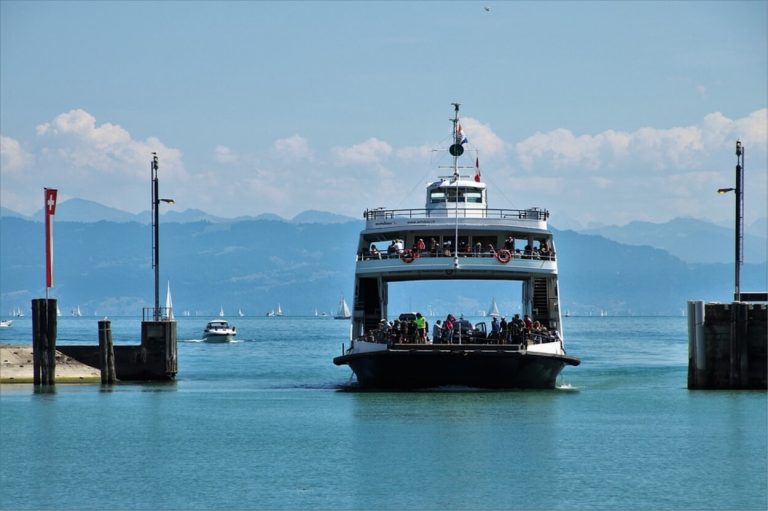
x=366, y=255
x=537, y=214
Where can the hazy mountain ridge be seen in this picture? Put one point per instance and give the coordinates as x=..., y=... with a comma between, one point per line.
x=82, y=210
x=691, y=240
x=105, y=267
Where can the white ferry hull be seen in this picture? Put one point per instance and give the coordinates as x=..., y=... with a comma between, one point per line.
x=410, y=367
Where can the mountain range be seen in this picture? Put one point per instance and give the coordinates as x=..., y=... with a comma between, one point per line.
x=307, y=262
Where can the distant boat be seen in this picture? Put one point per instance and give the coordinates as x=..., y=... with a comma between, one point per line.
x=76, y=312
x=219, y=331
x=221, y=312
x=18, y=312
x=494, y=310
x=279, y=311
x=5, y=323
x=58, y=311
x=271, y=314
x=343, y=311
x=240, y=312
x=168, y=303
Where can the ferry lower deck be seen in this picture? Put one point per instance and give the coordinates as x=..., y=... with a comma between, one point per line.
x=487, y=366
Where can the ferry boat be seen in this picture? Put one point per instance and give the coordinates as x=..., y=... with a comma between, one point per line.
x=456, y=236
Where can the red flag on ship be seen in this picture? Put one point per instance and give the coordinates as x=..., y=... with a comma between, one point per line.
x=477, y=169
x=50, y=210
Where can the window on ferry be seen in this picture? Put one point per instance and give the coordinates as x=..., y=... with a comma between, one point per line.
x=437, y=196
x=474, y=195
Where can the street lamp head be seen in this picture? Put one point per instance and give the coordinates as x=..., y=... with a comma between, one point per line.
x=168, y=201
x=723, y=191
x=738, y=148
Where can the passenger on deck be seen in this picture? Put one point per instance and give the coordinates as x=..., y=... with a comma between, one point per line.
x=420, y=246
x=527, y=251
x=528, y=322
x=421, y=328
x=392, y=249
x=491, y=250
x=434, y=248
x=517, y=330
x=509, y=244
x=374, y=252
x=544, y=252
x=399, y=245
x=495, y=328
x=437, y=332
x=503, y=330
x=478, y=249
x=448, y=328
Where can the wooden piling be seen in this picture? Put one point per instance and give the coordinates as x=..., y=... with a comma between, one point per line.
x=107, y=352
x=44, y=330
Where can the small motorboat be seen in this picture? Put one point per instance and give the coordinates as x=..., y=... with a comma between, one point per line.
x=219, y=331
x=5, y=323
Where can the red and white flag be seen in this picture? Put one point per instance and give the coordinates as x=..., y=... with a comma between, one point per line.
x=477, y=169
x=50, y=210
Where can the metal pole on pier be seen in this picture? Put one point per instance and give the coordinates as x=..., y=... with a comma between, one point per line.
x=156, y=200
x=739, y=219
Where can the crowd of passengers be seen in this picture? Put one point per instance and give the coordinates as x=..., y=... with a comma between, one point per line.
x=420, y=248
x=519, y=331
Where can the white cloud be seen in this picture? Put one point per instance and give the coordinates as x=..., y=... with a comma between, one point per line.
x=295, y=147
x=108, y=149
x=12, y=156
x=224, y=154
x=483, y=138
x=370, y=152
x=670, y=149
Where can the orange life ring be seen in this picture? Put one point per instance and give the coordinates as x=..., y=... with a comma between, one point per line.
x=407, y=256
x=503, y=256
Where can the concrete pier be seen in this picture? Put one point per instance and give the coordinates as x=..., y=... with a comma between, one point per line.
x=727, y=345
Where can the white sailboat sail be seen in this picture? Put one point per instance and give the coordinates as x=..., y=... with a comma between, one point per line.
x=168, y=303
x=343, y=311
x=221, y=312
x=240, y=312
x=279, y=310
x=494, y=310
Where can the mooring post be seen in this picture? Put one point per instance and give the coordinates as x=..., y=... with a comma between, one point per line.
x=106, y=352
x=44, y=341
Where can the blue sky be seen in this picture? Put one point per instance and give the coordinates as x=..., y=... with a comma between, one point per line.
x=599, y=111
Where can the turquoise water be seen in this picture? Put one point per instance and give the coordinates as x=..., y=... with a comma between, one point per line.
x=260, y=424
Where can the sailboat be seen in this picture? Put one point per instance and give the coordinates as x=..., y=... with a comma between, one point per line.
x=279, y=311
x=494, y=310
x=343, y=312
x=168, y=304
x=58, y=311
x=76, y=312
x=221, y=312
x=240, y=312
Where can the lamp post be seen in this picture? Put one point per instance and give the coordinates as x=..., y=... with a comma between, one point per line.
x=156, y=200
x=739, y=217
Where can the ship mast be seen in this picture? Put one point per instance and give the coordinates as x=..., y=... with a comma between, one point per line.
x=456, y=150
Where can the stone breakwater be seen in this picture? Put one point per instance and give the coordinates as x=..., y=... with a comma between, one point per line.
x=16, y=366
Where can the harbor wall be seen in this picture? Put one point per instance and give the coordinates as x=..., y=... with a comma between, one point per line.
x=155, y=359
x=727, y=345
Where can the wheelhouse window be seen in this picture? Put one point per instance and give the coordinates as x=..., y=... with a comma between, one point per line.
x=449, y=194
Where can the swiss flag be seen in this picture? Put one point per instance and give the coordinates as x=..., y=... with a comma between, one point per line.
x=50, y=210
